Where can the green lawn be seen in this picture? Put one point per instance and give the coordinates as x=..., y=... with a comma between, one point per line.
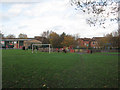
x=107, y=53
x=22, y=69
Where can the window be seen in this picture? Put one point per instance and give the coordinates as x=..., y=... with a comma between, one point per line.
x=15, y=42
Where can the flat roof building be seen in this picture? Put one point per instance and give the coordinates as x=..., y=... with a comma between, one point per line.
x=18, y=42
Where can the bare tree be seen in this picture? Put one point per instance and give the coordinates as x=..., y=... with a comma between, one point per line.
x=77, y=36
x=1, y=35
x=45, y=36
x=99, y=11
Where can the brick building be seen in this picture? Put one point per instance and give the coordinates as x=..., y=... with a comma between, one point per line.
x=84, y=42
x=95, y=42
x=89, y=42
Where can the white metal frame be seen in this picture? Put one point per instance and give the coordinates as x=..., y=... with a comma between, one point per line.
x=41, y=44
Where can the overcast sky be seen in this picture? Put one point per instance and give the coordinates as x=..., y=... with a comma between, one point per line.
x=56, y=15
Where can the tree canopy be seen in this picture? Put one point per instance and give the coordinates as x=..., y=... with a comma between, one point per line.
x=110, y=39
x=10, y=36
x=68, y=40
x=22, y=35
x=54, y=39
x=58, y=40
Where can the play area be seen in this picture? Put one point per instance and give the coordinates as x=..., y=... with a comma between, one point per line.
x=24, y=69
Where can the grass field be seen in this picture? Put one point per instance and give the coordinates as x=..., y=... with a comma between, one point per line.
x=22, y=69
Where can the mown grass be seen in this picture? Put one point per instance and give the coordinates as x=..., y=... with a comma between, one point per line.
x=22, y=69
x=107, y=52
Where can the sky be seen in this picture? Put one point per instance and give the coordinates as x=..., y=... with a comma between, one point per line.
x=32, y=18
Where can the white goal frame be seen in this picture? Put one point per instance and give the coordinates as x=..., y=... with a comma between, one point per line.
x=41, y=45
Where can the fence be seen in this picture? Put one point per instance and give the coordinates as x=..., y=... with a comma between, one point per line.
x=75, y=50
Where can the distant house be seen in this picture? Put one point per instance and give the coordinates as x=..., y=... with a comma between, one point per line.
x=95, y=42
x=89, y=42
x=84, y=42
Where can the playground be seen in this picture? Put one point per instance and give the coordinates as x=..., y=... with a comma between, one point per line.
x=24, y=69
